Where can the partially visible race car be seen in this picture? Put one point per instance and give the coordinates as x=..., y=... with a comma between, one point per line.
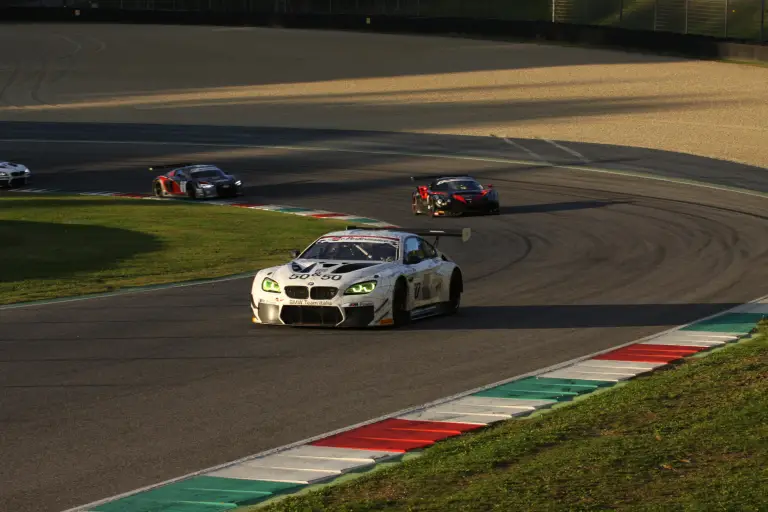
x=13, y=174
x=196, y=181
x=446, y=196
x=361, y=277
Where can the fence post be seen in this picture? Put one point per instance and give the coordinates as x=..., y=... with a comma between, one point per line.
x=554, y=6
x=686, y=17
x=655, y=13
x=621, y=11
x=726, y=19
x=762, y=20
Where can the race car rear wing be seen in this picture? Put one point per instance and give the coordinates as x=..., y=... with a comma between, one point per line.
x=440, y=177
x=464, y=233
x=168, y=166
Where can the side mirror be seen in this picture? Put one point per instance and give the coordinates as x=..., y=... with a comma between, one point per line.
x=295, y=253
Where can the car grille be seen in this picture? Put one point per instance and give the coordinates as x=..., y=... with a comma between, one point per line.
x=323, y=292
x=17, y=173
x=310, y=315
x=226, y=189
x=297, y=292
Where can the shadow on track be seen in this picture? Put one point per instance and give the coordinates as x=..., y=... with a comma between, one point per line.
x=571, y=316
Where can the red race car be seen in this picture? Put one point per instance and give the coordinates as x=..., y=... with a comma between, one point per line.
x=453, y=196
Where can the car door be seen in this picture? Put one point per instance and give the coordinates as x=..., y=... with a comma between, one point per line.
x=422, y=261
x=432, y=281
x=180, y=179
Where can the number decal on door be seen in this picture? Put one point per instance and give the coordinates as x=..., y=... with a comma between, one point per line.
x=417, y=289
x=427, y=290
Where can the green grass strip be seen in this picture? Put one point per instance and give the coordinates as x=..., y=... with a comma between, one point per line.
x=693, y=437
x=68, y=246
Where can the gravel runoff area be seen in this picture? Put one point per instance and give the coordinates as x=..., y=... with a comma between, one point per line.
x=393, y=83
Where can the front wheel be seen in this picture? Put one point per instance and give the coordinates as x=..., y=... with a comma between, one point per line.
x=454, y=294
x=191, y=192
x=415, y=206
x=433, y=209
x=400, y=314
x=158, y=189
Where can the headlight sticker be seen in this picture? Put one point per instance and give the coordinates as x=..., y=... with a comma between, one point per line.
x=269, y=285
x=361, y=288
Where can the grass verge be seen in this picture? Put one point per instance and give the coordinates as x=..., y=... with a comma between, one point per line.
x=60, y=246
x=693, y=437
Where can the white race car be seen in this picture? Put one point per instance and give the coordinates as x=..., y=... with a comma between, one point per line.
x=13, y=174
x=361, y=277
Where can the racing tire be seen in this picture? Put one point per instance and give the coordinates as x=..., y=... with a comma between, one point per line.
x=433, y=210
x=454, y=294
x=158, y=189
x=191, y=192
x=416, y=210
x=401, y=316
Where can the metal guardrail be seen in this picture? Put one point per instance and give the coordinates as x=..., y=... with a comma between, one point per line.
x=732, y=19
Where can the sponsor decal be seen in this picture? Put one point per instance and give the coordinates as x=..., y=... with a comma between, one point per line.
x=300, y=302
x=323, y=277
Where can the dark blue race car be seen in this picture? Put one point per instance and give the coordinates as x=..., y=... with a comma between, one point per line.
x=201, y=181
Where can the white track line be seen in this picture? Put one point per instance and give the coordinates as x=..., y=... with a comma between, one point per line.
x=568, y=150
x=403, y=412
x=523, y=148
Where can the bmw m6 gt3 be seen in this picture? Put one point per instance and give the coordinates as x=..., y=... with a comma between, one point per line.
x=361, y=277
x=13, y=175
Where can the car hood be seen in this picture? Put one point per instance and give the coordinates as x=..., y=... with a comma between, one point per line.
x=10, y=166
x=471, y=194
x=348, y=272
x=214, y=181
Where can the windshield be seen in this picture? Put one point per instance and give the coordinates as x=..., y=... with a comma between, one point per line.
x=209, y=173
x=458, y=185
x=353, y=248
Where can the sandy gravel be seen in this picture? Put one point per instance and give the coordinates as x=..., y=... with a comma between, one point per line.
x=383, y=82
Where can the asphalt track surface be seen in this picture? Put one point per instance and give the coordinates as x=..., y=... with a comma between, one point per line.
x=106, y=395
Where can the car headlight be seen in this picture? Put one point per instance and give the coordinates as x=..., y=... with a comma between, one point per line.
x=238, y=183
x=269, y=285
x=206, y=185
x=441, y=200
x=3, y=174
x=361, y=288
x=26, y=171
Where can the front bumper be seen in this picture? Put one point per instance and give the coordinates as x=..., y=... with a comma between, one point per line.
x=456, y=207
x=221, y=191
x=348, y=313
x=15, y=179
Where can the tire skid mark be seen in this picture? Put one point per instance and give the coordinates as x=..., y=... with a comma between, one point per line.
x=101, y=45
x=710, y=232
x=46, y=70
x=12, y=79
